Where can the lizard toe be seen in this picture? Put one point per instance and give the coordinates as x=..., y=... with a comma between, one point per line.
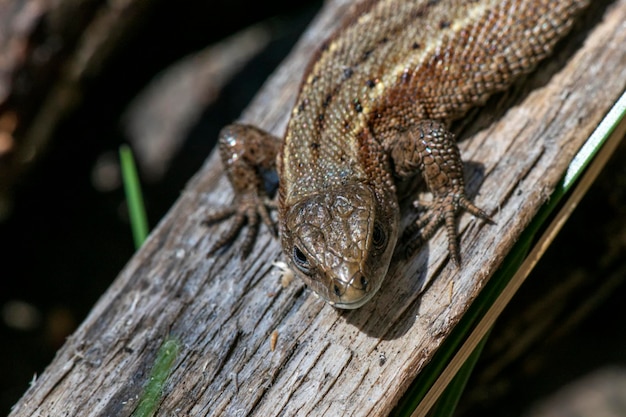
x=443, y=210
x=246, y=210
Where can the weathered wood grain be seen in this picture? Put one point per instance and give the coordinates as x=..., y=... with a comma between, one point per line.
x=326, y=362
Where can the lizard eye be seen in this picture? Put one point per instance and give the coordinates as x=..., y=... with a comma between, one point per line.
x=379, y=237
x=299, y=258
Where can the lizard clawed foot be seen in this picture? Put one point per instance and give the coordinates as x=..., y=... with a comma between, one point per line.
x=442, y=210
x=246, y=208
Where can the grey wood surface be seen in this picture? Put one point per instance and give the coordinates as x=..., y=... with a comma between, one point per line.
x=223, y=309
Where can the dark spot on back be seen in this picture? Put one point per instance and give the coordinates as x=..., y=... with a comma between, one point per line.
x=444, y=24
x=347, y=73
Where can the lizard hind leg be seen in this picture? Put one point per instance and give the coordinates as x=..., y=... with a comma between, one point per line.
x=430, y=149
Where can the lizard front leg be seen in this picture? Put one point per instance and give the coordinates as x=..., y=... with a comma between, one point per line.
x=430, y=148
x=246, y=151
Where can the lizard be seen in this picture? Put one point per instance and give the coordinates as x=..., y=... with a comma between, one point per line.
x=375, y=107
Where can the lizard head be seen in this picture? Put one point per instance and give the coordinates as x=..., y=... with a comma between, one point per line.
x=340, y=242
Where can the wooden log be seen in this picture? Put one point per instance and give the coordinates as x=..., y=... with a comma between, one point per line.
x=227, y=313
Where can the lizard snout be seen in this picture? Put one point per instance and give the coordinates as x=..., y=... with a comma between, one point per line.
x=353, y=293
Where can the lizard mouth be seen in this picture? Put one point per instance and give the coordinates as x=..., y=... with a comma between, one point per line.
x=353, y=304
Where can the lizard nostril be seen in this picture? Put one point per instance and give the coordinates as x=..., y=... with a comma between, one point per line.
x=337, y=290
x=364, y=283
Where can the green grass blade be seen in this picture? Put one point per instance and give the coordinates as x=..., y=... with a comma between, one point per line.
x=132, y=187
x=446, y=404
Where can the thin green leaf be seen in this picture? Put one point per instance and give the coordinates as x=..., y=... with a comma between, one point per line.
x=153, y=391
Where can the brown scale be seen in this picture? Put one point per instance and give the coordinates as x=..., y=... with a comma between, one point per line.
x=375, y=104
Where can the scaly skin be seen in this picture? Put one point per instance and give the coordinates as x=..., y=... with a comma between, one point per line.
x=375, y=105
